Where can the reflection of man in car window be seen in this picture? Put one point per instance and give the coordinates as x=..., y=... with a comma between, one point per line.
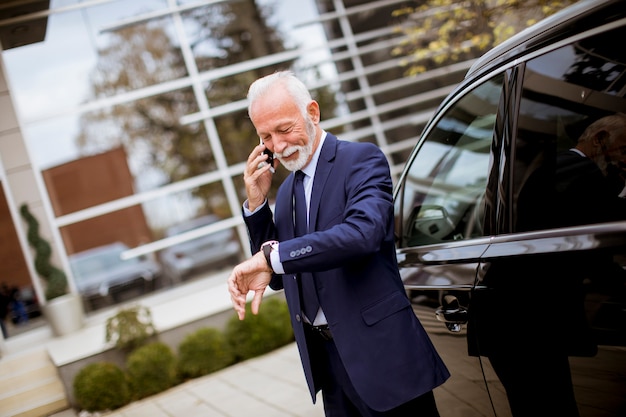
x=581, y=185
x=590, y=176
x=529, y=333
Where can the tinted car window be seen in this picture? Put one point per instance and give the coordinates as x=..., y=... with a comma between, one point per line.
x=563, y=93
x=442, y=193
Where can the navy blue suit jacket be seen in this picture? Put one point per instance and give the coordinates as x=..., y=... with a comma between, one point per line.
x=384, y=348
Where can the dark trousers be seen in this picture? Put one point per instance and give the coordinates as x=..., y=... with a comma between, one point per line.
x=341, y=399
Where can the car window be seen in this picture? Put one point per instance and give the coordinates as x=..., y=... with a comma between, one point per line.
x=104, y=259
x=442, y=193
x=561, y=178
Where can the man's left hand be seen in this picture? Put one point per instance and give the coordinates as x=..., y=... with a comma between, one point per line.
x=251, y=275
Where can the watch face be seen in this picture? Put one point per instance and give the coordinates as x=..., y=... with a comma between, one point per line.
x=267, y=249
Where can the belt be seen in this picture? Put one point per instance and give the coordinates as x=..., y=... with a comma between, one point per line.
x=323, y=331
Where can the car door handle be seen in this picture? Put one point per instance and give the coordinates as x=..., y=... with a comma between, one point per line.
x=452, y=313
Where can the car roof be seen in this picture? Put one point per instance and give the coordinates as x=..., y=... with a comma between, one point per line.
x=576, y=18
x=191, y=224
x=98, y=250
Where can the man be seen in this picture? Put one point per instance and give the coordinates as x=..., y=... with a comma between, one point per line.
x=590, y=176
x=581, y=185
x=364, y=347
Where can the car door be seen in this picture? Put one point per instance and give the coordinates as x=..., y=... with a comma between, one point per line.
x=440, y=211
x=553, y=300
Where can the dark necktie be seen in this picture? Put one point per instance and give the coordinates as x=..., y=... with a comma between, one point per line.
x=309, y=294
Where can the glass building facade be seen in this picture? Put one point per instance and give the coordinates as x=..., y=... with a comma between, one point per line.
x=134, y=118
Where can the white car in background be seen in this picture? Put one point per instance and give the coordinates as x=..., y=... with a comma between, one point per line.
x=101, y=271
x=206, y=252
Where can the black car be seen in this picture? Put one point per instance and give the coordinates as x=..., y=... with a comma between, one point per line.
x=511, y=240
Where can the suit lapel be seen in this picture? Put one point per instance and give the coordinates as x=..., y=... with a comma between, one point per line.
x=322, y=173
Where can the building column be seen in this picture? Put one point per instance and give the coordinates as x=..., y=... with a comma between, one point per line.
x=19, y=183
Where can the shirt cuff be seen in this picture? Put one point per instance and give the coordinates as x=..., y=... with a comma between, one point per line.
x=277, y=266
x=246, y=210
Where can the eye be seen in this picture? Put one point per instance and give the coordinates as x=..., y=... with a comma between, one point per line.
x=286, y=130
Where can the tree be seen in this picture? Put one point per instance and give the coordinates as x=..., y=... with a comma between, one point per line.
x=143, y=55
x=439, y=32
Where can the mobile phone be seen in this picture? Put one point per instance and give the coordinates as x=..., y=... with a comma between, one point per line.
x=270, y=157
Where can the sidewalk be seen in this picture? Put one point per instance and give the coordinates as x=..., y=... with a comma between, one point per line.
x=272, y=385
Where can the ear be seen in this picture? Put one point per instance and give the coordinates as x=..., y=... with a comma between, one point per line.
x=313, y=110
x=600, y=139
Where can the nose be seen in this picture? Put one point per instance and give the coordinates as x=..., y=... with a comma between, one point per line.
x=279, y=144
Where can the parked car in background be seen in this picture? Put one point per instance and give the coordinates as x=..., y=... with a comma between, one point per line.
x=101, y=271
x=513, y=255
x=208, y=251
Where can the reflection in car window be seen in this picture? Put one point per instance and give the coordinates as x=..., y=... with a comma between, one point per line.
x=594, y=63
x=444, y=186
x=558, y=181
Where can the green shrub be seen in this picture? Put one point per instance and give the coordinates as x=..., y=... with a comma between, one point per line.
x=130, y=327
x=203, y=352
x=55, y=278
x=101, y=386
x=262, y=333
x=151, y=369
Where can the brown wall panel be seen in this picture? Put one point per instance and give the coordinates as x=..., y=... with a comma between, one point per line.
x=87, y=182
x=13, y=268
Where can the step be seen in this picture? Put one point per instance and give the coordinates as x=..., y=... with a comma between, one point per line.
x=18, y=362
x=30, y=385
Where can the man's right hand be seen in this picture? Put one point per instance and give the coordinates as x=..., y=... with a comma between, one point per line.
x=257, y=180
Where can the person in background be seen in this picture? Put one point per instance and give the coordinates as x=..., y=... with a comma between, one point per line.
x=5, y=301
x=359, y=340
x=17, y=306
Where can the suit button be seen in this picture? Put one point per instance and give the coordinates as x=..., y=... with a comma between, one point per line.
x=298, y=318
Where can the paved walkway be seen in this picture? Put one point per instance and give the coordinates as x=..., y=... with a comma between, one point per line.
x=272, y=385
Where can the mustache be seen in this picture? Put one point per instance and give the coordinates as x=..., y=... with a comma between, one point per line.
x=287, y=153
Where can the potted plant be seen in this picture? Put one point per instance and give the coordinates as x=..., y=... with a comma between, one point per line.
x=63, y=310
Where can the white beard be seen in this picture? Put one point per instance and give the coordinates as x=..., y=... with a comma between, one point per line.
x=304, y=151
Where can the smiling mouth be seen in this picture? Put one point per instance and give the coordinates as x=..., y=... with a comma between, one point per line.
x=287, y=154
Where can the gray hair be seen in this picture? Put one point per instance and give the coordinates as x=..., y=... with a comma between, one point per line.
x=296, y=89
x=614, y=124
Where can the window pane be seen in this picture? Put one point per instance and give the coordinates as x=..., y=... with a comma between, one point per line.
x=445, y=184
x=564, y=177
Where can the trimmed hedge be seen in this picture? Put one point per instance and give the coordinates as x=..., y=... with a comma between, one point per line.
x=262, y=333
x=101, y=386
x=203, y=352
x=151, y=369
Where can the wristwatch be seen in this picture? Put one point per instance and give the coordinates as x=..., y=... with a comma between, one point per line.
x=267, y=249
